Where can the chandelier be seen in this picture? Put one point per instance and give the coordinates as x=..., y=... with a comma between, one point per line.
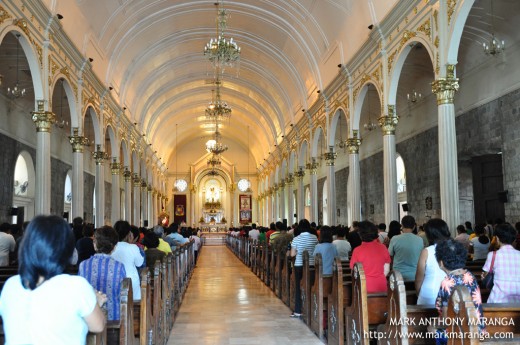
x=369, y=126
x=214, y=161
x=218, y=109
x=414, y=96
x=220, y=51
x=16, y=91
x=495, y=46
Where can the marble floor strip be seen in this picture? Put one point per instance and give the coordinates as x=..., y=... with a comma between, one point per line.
x=226, y=304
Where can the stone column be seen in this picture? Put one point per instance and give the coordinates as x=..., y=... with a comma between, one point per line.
x=445, y=89
x=115, y=168
x=128, y=195
x=150, y=203
x=144, y=202
x=276, y=202
x=156, y=208
x=282, y=196
x=193, y=196
x=100, y=157
x=270, y=206
x=330, y=157
x=290, y=196
x=301, y=194
x=313, y=169
x=43, y=120
x=388, y=125
x=136, y=212
x=354, y=191
x=77, y=142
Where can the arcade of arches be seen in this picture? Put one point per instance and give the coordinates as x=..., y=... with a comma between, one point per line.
x=346, y=122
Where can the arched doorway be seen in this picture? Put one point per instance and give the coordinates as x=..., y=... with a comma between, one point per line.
x=67, y=198
x=23, y=187
x=325, y=204
x=402, y=197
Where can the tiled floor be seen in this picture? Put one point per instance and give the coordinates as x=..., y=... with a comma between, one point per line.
x=227, y=304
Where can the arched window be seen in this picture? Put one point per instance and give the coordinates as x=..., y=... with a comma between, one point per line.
x=401, y=175
x=23, y=188
x=21, y=177
x=67, y=195
x=325, y=209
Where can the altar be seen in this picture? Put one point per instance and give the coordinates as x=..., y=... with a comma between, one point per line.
x=213, y=228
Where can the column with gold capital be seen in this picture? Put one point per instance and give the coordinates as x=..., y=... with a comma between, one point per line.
x=77, y=142
x=100, y=157
x=313, y=170
x=281, y=200
x=300, y=174
x=354, y=177
x=290, y=199
x=388, y=125
x=136, y=212
x=115, y=168
x=150, y=203
x=330, y=158
x=276, y=202
x=234, y=210
x=445, y=89
x=144, y=202
x=43, y=120
x=127, y=174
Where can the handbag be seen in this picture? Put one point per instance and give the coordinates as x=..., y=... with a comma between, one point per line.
x=487, y=282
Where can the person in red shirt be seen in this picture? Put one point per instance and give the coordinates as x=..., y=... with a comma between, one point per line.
x=272, y=228
x=374, y=256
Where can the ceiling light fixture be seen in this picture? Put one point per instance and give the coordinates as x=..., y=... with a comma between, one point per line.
x=220, y=51
x=414, y=96
x=495, y=46
x=16, y=91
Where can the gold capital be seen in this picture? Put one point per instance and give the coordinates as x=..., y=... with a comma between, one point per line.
x=290, y=179
x=300, y=173
x=43, y=119
x=137, y=180
x=330, y=157
x=313, y=167
x=388, y=123
x=445, y=88
x=77, y=141
x=128, y=175
x=149, y=188
x=144, y=185
x=353, y=143
x=115, y=167
x=99, y=156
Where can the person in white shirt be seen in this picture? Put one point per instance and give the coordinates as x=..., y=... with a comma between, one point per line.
x=382, y=234
x=129, y=255
x=254, y=232
x=343, y=247
x=7, y=244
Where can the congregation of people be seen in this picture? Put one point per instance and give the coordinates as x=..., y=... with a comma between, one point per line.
x=47, y=302
x=426, y=255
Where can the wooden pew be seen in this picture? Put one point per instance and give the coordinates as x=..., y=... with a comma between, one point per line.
x=338, y=300
x=319, y=298
x=403, y=317
x=306, y=285
x=267, y=267
x=121, y=332
x=278, y=271
x=287, y=277
x=157, y=311
x=366, y=310
x=145, y=311
x=273, y=256
x=93, y=338
x=461, y=308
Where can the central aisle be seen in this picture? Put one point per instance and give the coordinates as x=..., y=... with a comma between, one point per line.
x=225, y=303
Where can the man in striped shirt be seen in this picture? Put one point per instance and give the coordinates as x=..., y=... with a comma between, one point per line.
x=303, y=242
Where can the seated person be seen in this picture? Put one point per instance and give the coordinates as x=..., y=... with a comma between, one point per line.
x=374, y=256
x=103, y=272
x=151, y=242
x=405, y=249
x=451, y=256
x=480, y=244
x=342, y=245
x=327, y=250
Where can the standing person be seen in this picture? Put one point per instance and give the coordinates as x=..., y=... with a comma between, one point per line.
x=506, y=288
x=7, y=244
x=253, y=234
x=394, y=229
x=303, y=242
x=342, y=245
x=129, y=255
x=103, y=272
x=196, y=244
x=373, y=256
x=405, y=249
x=42, y=305
x=429, y=275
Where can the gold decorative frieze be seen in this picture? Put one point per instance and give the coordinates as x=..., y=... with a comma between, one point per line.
x=4, y=15
x=391, y=58
x=425, y=28
x=53, y=67
x=65, y=71
x=407, y=35
x=22, y=24
x=451, y=8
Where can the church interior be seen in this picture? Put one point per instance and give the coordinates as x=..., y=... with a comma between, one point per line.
x=223, y=113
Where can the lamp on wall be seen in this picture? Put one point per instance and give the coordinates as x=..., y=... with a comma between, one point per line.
x=369, y=126
x=16, y=91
